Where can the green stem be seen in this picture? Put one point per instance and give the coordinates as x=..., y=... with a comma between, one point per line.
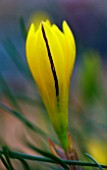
x=18, y=155
x=90, y=157
x=5, y=150
x=4, y=162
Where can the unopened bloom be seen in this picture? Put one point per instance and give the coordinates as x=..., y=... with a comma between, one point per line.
x=50, y=55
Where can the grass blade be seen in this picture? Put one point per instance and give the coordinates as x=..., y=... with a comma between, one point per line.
x=49, y=155
x=23, y=28
x=8, y=92
x=5, y=150
x=91, y=158
x=25, y=164
x=25, y=121
x=4, y=162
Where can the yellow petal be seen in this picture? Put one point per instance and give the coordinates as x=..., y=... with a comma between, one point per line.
x=40, y=67
x=59, y=65
x=61, y=39
x=71, y=49
x=48, y=22
x=57, y=57
x=64, y=46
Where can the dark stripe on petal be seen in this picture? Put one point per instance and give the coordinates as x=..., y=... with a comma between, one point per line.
x=51, y=62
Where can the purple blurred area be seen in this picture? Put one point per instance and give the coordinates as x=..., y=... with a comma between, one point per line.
x=87, y=18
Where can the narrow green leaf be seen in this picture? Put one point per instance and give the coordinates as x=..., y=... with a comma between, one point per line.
x=91, y=158
x=23, y=27
x=25, y=164
x=14, y=54
x=19, y=155
x=8, y=92
x=5, y=150
x=25, y=98
x=4, y=162
x=25, y=121
x=16, y=57
x=49, y=155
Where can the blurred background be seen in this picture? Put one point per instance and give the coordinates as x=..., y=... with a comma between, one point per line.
x=88, y=94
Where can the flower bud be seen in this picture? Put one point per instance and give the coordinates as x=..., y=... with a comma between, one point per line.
x=51, y=55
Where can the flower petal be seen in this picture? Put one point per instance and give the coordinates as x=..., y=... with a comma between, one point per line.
x=40, y=67
x=61, y=39
x=71, y=51
x=64, y=46
x=57, y=56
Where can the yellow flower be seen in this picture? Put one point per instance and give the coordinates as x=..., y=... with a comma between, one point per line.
x=51, y=55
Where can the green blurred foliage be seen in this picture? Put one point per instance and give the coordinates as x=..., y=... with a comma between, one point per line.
x=88, y=106
x=90, y=76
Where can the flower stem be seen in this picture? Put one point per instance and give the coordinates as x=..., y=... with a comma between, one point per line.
x=18, y=155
